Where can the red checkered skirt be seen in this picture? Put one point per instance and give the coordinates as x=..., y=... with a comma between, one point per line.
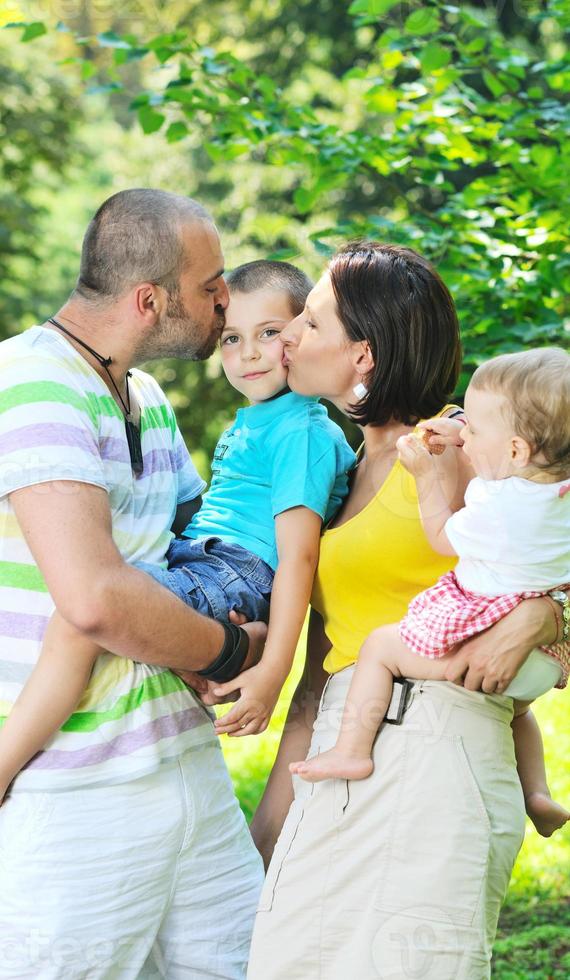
x=446, y=614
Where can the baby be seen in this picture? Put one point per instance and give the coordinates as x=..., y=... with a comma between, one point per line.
x=512, y=538
x=277, y=473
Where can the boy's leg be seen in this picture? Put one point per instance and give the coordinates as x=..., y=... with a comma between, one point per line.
x=546, y=815
x=382, y=657
x=208, y=920
x=214, y=578
x=48, y=698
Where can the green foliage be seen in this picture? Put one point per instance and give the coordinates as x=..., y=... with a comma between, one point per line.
x=37, y=145
x=441, y=135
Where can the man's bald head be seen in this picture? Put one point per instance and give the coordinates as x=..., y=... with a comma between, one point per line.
x=136, y=236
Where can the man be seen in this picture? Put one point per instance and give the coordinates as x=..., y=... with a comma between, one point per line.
x=123, y=852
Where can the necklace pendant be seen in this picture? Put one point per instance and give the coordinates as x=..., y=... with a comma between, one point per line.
x=135, y=447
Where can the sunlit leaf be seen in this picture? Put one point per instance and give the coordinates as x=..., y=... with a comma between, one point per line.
x=424, y=21
x=150, y=120
x=33, y=30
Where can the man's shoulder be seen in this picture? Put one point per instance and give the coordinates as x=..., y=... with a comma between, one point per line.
x=27, y=344
x=32, y=358
x=145, y=382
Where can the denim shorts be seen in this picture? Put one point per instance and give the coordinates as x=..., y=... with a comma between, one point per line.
x=215, y=577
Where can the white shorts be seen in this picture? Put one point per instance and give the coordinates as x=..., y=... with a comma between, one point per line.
x=157, y=877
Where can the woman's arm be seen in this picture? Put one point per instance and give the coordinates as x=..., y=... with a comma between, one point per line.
x=295, y=741
x=489, y=661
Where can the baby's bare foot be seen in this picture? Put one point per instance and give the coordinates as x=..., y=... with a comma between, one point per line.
x=546, y=815
x=333, y=765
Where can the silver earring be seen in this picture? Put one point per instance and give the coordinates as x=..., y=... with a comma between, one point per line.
x=360, y=390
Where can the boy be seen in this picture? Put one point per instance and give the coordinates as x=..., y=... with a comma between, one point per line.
x=278, y=472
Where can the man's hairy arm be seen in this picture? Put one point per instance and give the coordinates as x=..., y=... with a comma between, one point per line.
x=67, y=526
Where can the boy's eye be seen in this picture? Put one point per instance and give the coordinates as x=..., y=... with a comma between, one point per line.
x=270, y=332
x=232, y=338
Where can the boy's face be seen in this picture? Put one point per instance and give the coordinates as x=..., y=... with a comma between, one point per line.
x=251, y=346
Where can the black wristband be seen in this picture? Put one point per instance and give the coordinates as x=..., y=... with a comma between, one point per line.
x=231, y=658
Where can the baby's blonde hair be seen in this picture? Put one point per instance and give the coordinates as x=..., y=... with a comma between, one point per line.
x=536, y=386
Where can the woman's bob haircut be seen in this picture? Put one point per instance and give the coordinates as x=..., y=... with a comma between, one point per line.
x=395, y=300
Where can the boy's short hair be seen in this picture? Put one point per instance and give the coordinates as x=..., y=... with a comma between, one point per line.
x=267, y=274
x=536, y=386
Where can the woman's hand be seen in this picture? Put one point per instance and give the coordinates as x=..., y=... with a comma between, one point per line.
x=489, y=661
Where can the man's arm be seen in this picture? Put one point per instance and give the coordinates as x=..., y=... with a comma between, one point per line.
x=67, y=526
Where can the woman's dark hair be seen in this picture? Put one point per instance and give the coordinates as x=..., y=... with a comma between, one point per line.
x=394, y=299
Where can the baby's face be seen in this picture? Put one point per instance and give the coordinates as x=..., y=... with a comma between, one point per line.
x=488, y=437
x=251, y=346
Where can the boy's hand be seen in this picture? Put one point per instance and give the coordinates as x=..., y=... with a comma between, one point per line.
x=440, y=433
x=414, y=456
x=259, y=691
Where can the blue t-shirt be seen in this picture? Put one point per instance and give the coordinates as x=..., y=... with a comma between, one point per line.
x=278, y=454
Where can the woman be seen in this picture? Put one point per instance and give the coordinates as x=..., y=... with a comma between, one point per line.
x=401, y=874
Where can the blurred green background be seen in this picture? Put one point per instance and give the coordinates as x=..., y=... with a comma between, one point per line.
x=444, y=126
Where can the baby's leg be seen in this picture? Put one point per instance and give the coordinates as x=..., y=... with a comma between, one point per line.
x=49, y=696
x=546, y=815
x=382, y=657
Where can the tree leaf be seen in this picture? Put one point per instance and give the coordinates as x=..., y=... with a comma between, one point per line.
x=424, y=21
x=282, y=253
x=434, y=56
x=493, y=83
x=304, y=199
x=372, y=8
x=176, y=131
x=150, y=120
x=33, y=30
x=108, y=39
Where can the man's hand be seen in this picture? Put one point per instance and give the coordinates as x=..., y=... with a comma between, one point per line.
x=257, y=633
x=489, y=661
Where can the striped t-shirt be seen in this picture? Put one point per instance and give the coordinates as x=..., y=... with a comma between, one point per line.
x=58, y=421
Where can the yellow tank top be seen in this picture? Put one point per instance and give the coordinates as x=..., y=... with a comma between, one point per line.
x=372, y=566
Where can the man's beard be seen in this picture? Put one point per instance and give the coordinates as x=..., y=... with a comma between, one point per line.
x=178, y=335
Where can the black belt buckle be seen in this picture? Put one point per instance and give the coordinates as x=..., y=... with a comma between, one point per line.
x=399, y=702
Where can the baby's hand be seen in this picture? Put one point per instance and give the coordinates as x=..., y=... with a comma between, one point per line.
x=414, y=456
x=441, y=432
x=250, y=715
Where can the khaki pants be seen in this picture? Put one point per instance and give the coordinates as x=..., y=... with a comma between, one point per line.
x=402, y=874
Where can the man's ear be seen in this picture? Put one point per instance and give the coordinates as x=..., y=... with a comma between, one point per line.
x=149, y=301
x=364, y=360
x=520, y=452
